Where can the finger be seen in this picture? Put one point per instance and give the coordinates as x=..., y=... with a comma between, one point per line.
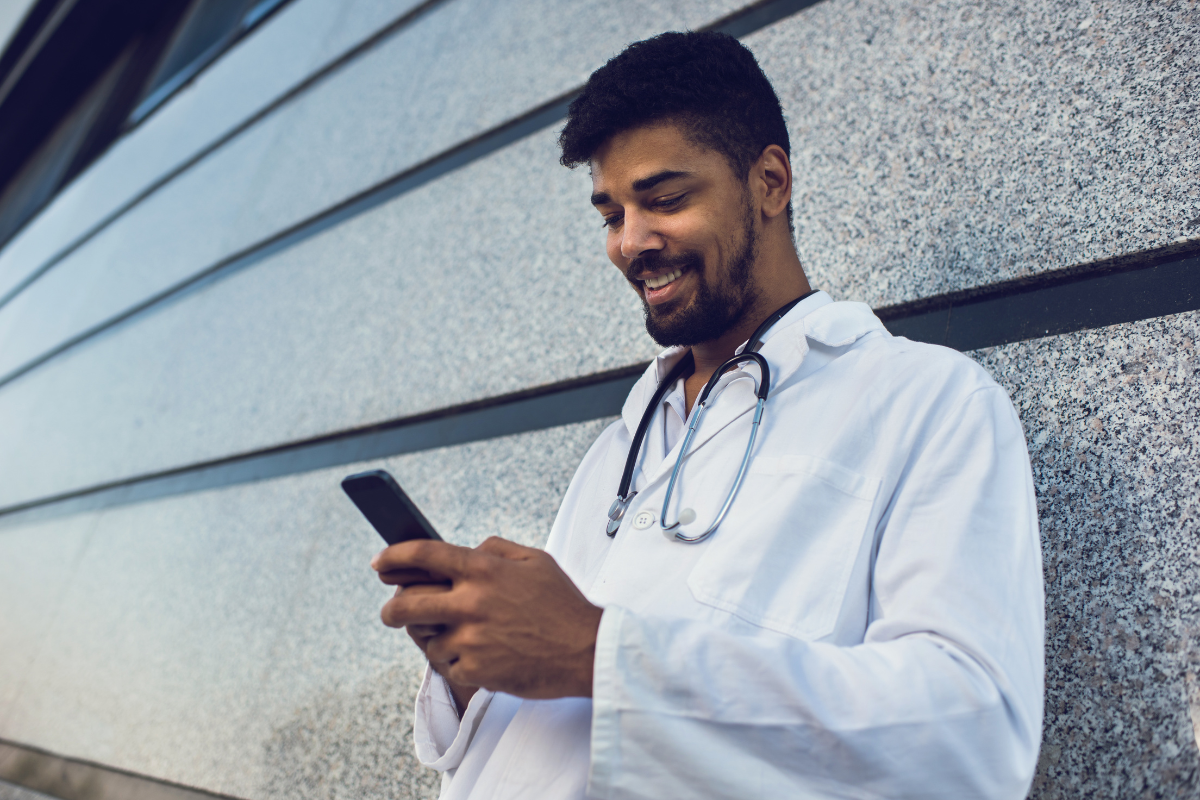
x=441, y=558
x=423, y=608
x=412, y=577
x=426, y=632
x=418, y=588
x=421, y=641
x=496, y=546
x=440, y=650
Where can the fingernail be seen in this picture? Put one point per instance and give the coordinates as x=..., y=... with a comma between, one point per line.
x=375, y=562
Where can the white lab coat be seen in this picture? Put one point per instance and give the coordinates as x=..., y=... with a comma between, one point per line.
x=866, y=622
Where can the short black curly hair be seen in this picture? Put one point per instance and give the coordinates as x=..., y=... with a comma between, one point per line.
x=709, y=83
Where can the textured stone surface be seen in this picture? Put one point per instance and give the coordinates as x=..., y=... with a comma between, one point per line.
x=944, y=145
x=279, y=54
x=382, y=317
x=460, y=69
x=119, y=268
x=1113, y=421
x=10, y=792
x=231, y=640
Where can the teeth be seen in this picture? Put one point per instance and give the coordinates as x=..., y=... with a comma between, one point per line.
x=663, y=280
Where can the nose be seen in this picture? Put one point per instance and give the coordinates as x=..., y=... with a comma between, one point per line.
x=638, y=236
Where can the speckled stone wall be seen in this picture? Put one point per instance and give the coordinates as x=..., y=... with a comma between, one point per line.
x=230, y=639
x=1113, y=422
x=10, y=791
x=944, y=145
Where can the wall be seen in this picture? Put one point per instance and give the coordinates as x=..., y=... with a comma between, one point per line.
x=294, y=248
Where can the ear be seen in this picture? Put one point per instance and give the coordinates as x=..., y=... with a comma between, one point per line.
x=771, y=175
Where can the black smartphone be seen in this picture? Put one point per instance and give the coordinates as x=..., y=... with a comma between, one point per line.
x=387, y=507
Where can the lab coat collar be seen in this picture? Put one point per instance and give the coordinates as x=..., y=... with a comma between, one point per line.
x=785, y=346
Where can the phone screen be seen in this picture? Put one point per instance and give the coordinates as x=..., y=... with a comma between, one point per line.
x=387, y=507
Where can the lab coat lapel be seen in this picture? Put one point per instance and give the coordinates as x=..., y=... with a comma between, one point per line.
x=831, y=324
x=652, y=453
x=734, y=397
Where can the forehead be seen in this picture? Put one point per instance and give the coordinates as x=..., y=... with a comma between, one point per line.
x=649, y=150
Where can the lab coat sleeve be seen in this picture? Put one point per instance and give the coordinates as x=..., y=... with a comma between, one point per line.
x=440, y=738
x=942, y=699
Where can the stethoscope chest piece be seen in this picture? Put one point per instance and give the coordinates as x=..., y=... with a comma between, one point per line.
x=616, y=511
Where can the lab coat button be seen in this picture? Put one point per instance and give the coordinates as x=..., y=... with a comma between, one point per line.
x=643, y=520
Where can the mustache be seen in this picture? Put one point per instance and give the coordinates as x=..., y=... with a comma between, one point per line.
x=659, y=262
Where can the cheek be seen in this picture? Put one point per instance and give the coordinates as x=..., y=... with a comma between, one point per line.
x=612, y=246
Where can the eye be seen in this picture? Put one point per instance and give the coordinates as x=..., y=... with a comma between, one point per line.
x=667, y=203
x=612, y=221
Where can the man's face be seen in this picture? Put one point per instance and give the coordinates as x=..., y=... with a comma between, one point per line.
x=680, y=228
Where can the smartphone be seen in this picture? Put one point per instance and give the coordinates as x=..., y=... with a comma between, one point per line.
x=387, y=507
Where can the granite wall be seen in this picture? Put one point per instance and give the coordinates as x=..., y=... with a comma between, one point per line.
x=228, y=639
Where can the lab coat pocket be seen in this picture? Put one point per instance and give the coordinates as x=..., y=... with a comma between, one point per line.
x=782, y=558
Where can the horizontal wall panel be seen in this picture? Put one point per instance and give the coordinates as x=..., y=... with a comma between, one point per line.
x=386, y=316
x=230, y=640
x=299, y=39
x=940, y=146
x=1112, y=417
x=460, y=69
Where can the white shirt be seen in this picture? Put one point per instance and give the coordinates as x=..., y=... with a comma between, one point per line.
x=866, y=622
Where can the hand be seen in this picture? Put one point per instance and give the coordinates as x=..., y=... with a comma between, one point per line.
x=510, y=621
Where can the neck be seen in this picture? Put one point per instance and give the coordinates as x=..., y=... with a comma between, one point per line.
x=782, y=280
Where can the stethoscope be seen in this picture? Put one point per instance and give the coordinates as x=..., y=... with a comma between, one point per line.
x=685, y=366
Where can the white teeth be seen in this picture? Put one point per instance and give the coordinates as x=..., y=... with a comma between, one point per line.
x=662, y=280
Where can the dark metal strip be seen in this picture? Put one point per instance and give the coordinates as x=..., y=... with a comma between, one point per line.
x=1150, y=284
x=740, y=23
x=75, y=779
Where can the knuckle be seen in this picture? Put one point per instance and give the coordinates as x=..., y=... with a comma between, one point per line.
x=473, y=605
x=420, y=548
x=482, y=567
x=468, y=638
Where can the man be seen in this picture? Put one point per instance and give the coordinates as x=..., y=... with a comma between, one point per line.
x=866, y=620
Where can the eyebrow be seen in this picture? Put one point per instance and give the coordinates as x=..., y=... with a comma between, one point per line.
x=643, y=184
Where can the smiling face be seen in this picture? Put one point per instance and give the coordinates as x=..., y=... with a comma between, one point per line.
x=682, y=229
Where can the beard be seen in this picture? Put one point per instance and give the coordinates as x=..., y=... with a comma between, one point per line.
x=715, y=308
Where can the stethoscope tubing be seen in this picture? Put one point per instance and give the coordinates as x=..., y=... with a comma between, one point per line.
x=625, y=494
x=762, y=390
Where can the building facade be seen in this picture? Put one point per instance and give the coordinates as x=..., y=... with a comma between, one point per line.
x=321, y=236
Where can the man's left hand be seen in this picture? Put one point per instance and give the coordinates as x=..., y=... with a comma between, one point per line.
x=514, y=622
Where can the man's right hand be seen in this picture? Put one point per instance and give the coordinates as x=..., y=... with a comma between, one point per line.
x=421, y=634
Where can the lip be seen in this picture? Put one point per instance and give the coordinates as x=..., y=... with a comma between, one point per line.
x=663, y=294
